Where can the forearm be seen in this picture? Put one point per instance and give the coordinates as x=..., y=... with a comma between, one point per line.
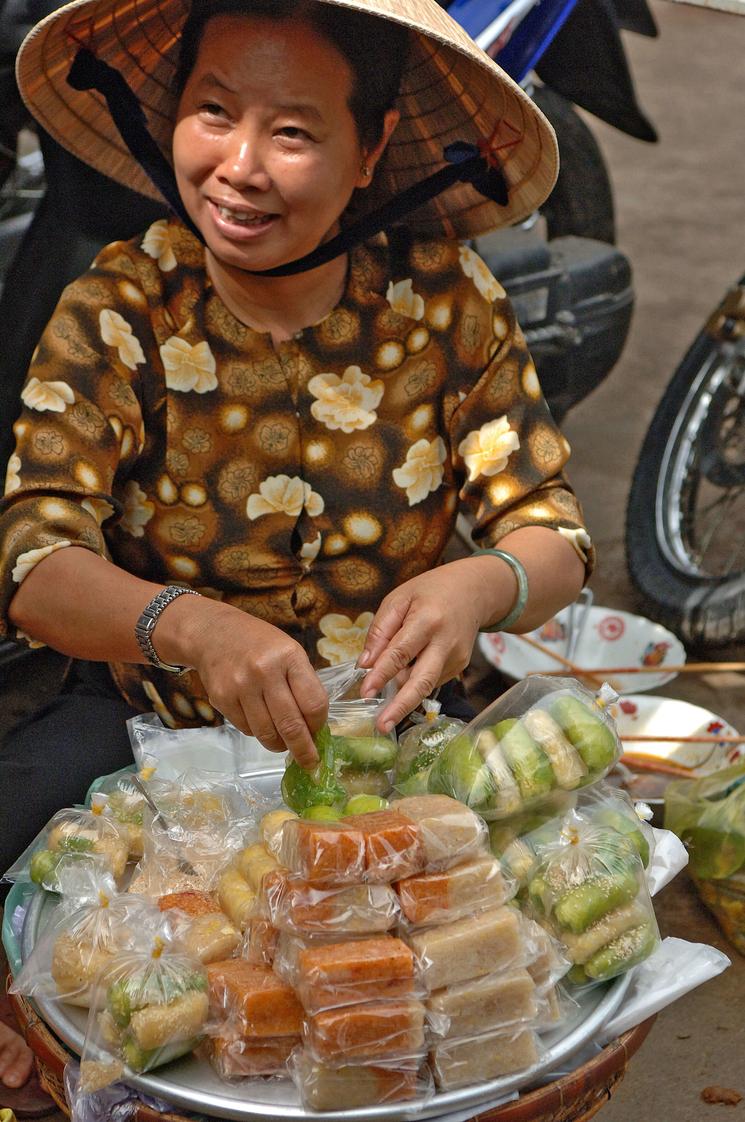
x=84, y=606
x=555, y=576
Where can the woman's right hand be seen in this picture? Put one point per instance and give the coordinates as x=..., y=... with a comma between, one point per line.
x=254, y=674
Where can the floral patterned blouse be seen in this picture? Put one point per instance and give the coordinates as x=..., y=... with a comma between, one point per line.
x=299, y=482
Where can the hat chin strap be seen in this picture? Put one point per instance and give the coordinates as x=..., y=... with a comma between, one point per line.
x=467, y=163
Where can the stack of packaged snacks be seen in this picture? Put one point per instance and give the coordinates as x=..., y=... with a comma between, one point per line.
x=585, y=884
x=365, y=1034
x=256, y=1019
x=470, y=946
x=708, y=815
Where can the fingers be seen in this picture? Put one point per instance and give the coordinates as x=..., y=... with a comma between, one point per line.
x=15, y=1058
x=425, y=676
x=387, y=622
x=401, y=650
x=281, y=718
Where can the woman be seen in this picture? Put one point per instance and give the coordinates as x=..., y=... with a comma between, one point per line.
x=293, y=447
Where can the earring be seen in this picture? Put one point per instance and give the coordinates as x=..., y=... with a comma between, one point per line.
x=365, y=171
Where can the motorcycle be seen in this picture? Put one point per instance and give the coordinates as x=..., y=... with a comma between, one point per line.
x=685, y=518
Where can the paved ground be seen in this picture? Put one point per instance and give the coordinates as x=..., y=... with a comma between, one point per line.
x=681, y=210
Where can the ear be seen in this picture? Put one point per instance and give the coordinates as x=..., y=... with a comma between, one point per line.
x=371, y=157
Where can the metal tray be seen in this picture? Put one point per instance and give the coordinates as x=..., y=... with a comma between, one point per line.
x=192, y=1084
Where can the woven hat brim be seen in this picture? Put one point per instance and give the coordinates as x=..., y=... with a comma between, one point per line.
x=451, y=91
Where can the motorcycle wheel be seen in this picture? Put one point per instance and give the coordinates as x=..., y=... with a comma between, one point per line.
x=581, y=203
x=685, y=520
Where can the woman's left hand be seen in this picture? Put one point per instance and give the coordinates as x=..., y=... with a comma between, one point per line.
x=423, y=632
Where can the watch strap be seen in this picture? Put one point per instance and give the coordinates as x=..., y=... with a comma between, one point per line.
x=148, y=619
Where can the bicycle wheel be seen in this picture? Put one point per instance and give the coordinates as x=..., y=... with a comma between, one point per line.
x=685, y=521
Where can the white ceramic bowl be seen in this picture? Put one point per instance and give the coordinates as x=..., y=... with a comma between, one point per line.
x=608, y=638
x=647, y=715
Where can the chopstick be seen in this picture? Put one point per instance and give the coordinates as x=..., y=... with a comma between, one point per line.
x=651, y=763
x=708, y=739
x=664, y=668
x=577, y=671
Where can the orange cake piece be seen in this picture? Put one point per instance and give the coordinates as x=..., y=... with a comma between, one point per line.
x=254, y=999
x=323, y=852
x=324, y=1088
x=192, y=903
x=374, y=1030
x=349, y=972
x=244, y=1057
x=475, y=1059
x=350, y=909
x=450, y=832
x=468, y=948
x=393, y=847
x=444, y=896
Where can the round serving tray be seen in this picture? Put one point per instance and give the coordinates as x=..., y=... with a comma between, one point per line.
x=192, y=1084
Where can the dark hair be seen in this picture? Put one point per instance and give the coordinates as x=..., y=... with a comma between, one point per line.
x=375, y=48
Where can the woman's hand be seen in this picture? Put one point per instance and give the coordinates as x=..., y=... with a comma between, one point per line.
x=256, y=676
x=423, y=632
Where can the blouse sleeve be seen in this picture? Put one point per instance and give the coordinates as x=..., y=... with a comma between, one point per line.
x=81, y=428
x=508, y=450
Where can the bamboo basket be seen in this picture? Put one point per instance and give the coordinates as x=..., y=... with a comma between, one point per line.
x=574, y=1098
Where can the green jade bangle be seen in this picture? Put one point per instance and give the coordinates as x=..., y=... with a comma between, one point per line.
x=521, y=599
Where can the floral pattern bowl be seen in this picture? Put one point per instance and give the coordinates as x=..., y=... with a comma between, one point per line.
x=608, y=638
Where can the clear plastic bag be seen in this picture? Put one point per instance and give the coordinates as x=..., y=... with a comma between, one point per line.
x=543, y=734
x=324, y=1088
x=199, y=925
x=354, y=758
x=294, y=905
x=240, y=887
x=588, y=888
x=473, y=886
x=498, y=1001
x=201, y=826
x=367, y=1033
x=377, y=968
x=92, y=924
x=153, y=1007
x=708, y=815
x=469, y=948
x=240, y=1057
x=379, y=847
x=70, y=835
x=420, y=746
x=449, y=832
x=490, y=1055
x=220, y=749
x=251, y=1002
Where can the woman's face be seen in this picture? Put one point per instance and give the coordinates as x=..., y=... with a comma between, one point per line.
x=265, y=147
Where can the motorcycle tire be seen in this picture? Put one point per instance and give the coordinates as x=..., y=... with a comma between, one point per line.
x=581, y=202
x=683, y=452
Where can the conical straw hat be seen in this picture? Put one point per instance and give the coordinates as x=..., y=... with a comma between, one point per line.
x=451, y=91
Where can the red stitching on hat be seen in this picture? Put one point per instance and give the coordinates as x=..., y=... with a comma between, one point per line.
x=489, y=149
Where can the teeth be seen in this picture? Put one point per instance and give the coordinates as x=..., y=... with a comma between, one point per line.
x=241, y=218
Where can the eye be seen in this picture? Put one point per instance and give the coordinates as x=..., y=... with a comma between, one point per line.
x=212, y=109
x=293, y=133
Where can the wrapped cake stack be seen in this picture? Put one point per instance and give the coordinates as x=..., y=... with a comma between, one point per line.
x=365, y=1034
x=472, y=949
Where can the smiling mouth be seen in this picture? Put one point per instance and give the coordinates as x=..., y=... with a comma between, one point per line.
x=242, y=217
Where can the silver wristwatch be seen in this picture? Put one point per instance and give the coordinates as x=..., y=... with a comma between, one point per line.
x=146, y=625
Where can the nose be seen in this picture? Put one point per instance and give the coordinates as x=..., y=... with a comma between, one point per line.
x=242, y=166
